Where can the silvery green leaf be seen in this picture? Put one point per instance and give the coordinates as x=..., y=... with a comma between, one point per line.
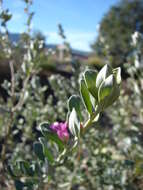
x=93, y=101
x=74, y=102
x=103, y=74
x=105, y=88
x=86, y=96
x=74, y=123
x=117, y=74
x=90, y=80
x=113, y=94
x=46, y=151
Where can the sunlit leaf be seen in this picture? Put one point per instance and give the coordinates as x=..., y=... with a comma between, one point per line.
x=74, y=123
x=86, y=96
x=74, y=102
x=105, y=88
x=103, y=74
x=117, y=74
x=90, y=79
x=109, y=92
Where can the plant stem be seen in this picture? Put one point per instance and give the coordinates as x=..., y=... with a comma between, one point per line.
x=87, y=125
x=90, y=120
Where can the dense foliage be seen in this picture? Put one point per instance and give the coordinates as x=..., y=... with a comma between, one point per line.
x=36, y=152
x=116, y=28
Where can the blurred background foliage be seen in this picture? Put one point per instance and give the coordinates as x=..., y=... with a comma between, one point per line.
x=110, y=155
x=114, y=40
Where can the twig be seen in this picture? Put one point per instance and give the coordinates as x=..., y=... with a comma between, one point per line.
x=21, y=99
x=12, y=79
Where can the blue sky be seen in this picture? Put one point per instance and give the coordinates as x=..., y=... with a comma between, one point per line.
x=80, y=19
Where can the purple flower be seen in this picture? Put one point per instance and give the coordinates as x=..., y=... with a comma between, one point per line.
x=61, y=128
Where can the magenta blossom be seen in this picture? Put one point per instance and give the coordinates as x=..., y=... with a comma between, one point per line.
x=61, y=128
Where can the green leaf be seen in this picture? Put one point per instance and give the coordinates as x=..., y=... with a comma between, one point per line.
x=117, y=74
x=114, y=95
x=44, y=127
x=109, y=94
x=74, y=123
x=93, y=101
x=50, y=135
x=105, y=88
x=103, y=74
x=46, y=150
x=74, y=102
x=90, y=79
x=38, y=149
x=86, y=96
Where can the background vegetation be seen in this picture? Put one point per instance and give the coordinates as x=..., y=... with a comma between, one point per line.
x=32, y=90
